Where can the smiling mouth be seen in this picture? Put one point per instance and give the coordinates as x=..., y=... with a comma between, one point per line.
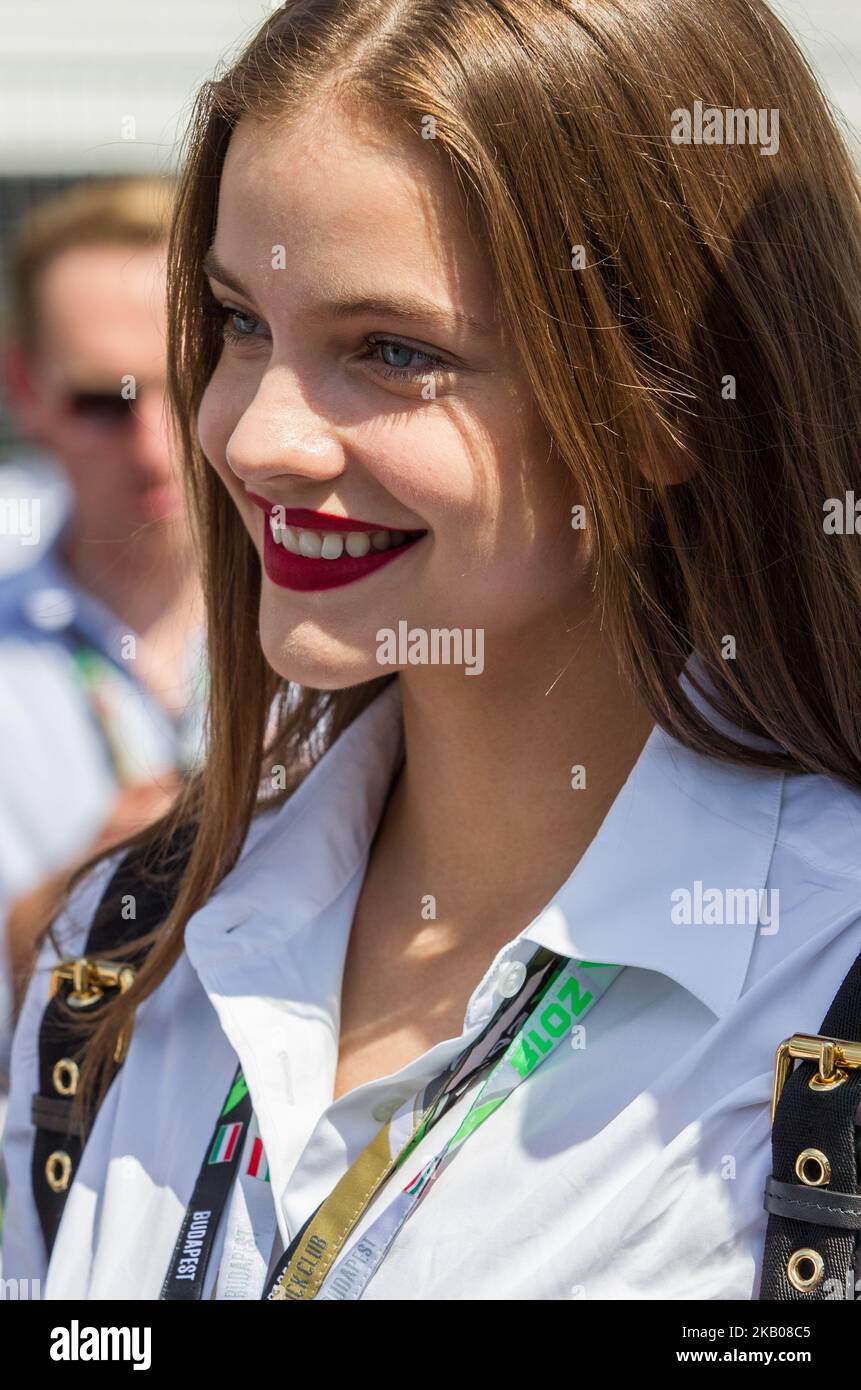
x=331, y=545
x=307, y=551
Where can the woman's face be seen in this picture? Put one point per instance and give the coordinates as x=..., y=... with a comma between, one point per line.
x=369, y=417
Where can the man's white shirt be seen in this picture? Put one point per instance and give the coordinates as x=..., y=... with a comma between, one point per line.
x=58, y=784
x=631, y=1167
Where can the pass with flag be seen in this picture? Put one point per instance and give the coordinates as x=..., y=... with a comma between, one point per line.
x=257, y=1164
x=225, y=1143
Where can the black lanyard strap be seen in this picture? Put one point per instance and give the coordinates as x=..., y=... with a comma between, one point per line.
x=193, y=1248
x=187, y=1270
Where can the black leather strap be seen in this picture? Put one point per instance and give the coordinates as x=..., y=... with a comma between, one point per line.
x=53, y=1114
x=819, y=1205
x=824, y=1120
x=57, y=1144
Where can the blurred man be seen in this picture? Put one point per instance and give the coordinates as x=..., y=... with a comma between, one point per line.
x=101, y=662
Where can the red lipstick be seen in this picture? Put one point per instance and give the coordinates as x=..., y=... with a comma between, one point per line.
x=306, y=573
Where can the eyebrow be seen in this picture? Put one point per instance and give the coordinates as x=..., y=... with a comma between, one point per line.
x=404, y=307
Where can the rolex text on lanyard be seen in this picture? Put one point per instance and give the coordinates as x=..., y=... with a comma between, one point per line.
x=556, y=999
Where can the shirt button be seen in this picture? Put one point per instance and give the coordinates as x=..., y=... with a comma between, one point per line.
x=50, y=609
x=511, y=978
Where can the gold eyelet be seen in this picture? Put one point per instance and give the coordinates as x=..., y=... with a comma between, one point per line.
x=805, y=1270
x=65, y=1076
x=58, y=1170
x=822, y=1168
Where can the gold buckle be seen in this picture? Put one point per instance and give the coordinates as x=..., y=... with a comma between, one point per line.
x=834, y=1056
x=90, y=979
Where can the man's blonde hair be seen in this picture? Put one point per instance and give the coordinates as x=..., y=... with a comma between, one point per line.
x=129, y=211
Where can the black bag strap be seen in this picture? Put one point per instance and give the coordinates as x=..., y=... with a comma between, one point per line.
x=813, y=1196
x=88, y=983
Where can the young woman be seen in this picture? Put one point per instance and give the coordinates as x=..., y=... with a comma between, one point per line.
x=515, y=351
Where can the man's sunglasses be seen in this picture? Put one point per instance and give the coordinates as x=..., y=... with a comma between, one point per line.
x=108, y=408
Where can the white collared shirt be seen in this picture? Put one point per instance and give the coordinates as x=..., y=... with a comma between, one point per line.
x=633, y=1167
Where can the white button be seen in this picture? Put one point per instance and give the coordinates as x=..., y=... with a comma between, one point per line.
x=50, y=609
x=385, y=1109
x=511, y=979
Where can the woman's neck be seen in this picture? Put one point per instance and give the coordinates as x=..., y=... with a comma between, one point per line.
x=487, y=813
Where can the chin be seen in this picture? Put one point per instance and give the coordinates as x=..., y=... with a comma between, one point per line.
x=318, y=662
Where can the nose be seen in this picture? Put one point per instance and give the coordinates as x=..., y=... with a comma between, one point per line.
x=279, y=435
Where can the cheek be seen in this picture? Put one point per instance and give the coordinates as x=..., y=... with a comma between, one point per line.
x=508, y=542
x=214, y=425
x=483, y=484
x=95, y=460
x=441, y=470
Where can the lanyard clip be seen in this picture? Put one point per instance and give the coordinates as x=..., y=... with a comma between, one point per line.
x=834, y=1055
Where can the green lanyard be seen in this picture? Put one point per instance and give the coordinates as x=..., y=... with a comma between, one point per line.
x=556, y=994
x=97, y=677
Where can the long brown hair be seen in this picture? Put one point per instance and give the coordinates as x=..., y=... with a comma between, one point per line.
x=714, y=314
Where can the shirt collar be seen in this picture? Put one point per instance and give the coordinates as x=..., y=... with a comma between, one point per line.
x=42, y=596
x=681, y=817
x=44, y=599
x=298, y=858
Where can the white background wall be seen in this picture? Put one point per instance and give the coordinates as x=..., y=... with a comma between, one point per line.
x=72, y=70
x=830, y=33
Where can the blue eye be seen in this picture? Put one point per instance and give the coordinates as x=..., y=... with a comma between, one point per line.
x=224, y=313
x=427, y=364
x=411, y=364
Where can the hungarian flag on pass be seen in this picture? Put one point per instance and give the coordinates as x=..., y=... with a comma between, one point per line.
x=257, y=1164
x=225, y=1144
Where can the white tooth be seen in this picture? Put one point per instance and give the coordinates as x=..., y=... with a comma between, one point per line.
x=290, y=539
x=358, y=543
x=310, y=544
x=276, y=530
x=380, y=540
x=333, y=546
x=398, y=537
